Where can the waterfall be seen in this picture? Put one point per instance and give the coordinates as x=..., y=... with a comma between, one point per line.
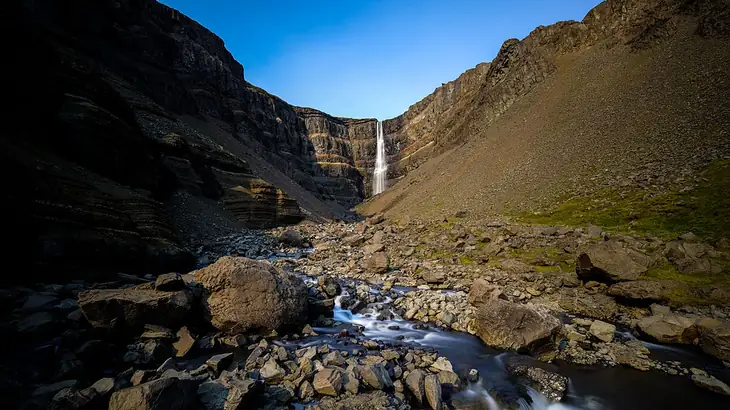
x=381, y=167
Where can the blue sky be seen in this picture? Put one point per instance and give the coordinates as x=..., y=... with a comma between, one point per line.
x=368, y=58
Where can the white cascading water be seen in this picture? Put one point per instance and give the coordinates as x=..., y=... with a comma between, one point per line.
x=381, y=167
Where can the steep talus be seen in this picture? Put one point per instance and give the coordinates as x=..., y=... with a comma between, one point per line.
x=636, y=92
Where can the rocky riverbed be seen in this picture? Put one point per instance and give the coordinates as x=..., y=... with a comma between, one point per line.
x=379, y=314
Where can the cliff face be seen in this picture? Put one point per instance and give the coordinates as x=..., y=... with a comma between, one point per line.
x=119, y=105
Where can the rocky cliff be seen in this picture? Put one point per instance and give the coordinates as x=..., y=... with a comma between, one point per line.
x=121, y=106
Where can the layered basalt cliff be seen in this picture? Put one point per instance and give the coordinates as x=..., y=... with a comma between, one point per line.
x=120, y=104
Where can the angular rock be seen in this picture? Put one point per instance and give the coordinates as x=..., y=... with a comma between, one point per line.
x=272, y=371
x=220, y=362
x=328, y=382
x=242, y=394
x=669, y=328
x=432, y=389
x=291, y=238
x=433, y=276
x=375, y=376
x=306, y=390
x=161, y=394
x=350, y=382
x=714, y=337
x=610, y=262
x=169, y=282
x=185, y=342
x=415, y=381
x=243, y=294
x=378, y=262
x=481, y=292
x=134, y=307
x=442, y=364
x=602, y=331
x=512, y=326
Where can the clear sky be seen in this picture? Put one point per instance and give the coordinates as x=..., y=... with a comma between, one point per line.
x=368, y=58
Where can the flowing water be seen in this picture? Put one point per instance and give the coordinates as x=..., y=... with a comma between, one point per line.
x=380, y=173
x=590, y=387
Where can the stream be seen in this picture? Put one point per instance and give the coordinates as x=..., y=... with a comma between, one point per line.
x=590, y=387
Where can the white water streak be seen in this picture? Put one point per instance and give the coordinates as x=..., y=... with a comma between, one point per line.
x=381, y=166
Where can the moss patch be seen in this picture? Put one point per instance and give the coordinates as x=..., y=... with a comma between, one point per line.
x=704, y=210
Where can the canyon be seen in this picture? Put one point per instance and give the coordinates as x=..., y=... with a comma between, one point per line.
x=553, y=233
x=135, y=117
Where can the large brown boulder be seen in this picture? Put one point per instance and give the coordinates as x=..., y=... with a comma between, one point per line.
x=243, y=294
x=162, y=394
x=506, y=325
x=611, y=262
x=482, y=291
x=669, y=328
x=714, y=337
x=135, y=307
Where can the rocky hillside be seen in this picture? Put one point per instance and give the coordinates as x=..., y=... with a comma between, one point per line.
x=633, y=96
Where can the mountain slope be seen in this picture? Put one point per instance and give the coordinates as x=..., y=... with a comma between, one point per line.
x=635, y=95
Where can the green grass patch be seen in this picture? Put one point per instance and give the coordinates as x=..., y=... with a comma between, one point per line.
x=466, y=260
x=704, y=210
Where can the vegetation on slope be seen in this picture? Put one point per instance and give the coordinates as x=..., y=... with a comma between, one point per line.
x=703, y=209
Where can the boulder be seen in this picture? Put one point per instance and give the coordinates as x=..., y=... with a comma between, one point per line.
x=162, y=394
x=433, y=276
x=136, y=306
x=432, y=389
x=169, y=282
x=291, y=238
x=242, y=294
x=272, y=371
x=644, y=291
x=482, y=291
x=506, y=325
x=375, y=376
x=378, y=262
x=602, y=330
x=415, y=382
x=611, y=262
x=328, y=382
x=669, y=328
x=714, y=337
